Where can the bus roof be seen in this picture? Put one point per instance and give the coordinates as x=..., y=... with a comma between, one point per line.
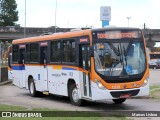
x=67, y=35
x=52, y=36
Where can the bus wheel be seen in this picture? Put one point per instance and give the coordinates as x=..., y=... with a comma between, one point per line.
x=119, y=101
x=73, y=94
x=32, y=88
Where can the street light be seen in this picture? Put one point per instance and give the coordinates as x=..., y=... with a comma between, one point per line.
x=25, y=20
x=128, y=20
x=55, y=16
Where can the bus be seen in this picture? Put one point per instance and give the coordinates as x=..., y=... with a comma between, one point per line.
x=92, y=64
x=154, y=60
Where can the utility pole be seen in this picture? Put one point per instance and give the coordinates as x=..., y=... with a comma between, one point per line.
x=25, y=20
x=144, y=26
x=55, y=16
x=128, y=20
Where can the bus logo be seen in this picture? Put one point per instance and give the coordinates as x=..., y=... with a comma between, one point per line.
x=6, y=114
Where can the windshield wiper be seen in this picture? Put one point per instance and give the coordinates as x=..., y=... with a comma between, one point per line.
x=114, y=49
x=125, y=55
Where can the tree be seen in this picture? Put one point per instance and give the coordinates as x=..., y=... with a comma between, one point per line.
x=8, y=12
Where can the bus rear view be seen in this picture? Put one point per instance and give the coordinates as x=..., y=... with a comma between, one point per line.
x=120, y=68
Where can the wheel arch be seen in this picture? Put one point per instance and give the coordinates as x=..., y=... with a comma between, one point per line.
x=70, y=82
x=29, y=79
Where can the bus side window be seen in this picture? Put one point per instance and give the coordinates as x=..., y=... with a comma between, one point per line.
x=69, y=51
x=34, y=53
x=27, y=53
x=15, y=53
x=22, y=54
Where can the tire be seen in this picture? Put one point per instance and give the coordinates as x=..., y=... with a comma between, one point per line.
x=73, y=94
x=32, y=89
x=119, y=101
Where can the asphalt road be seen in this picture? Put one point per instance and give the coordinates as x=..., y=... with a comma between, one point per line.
x=15, y=96
x=12, y=95
x=154, y=77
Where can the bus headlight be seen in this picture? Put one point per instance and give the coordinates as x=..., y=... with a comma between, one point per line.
x=145, y=81
x=100, y=85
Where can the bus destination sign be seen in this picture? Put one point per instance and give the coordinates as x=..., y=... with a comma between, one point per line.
x=118, y=35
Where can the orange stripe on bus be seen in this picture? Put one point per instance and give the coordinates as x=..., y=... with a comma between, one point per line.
x=52, y=37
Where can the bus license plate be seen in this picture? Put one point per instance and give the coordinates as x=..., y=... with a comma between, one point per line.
x=125, y=96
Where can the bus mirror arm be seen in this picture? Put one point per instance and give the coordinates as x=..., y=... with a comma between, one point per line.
x=91, y=51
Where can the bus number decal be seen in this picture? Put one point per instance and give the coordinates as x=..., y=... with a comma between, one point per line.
x=83, y=40
x=43, y=44
x=22, y=46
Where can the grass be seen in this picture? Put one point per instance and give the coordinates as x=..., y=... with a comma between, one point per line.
x=155, y=92
x=91, y=115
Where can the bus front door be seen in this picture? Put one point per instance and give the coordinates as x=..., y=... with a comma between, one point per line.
x=22, y=82
x=43, y=76
x=85, y=64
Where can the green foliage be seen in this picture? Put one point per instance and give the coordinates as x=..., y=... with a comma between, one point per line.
x=95, y=116
x=8, y=12
x=11, y=108
x=155, y=92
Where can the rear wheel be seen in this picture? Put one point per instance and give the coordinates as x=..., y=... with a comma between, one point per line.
x=119, y=101
x=74, y=97
x=32, y=88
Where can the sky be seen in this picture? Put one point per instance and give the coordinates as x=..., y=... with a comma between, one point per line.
x=82, y=13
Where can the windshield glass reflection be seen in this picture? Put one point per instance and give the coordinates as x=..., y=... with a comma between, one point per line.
x=120, y=58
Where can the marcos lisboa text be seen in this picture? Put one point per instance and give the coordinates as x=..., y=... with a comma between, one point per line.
x=147, y=114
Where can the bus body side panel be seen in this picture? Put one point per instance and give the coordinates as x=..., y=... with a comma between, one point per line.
x=19, y=75
x=58, y=77
x=34, y=71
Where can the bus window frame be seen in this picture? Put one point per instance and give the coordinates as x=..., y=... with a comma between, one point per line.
x=27, y=62
x=62, y=51
x=50, y=52
x=38, y=61
x=15, y=62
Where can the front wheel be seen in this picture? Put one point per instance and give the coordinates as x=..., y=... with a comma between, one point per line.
x=119, y=101
x=74, y=97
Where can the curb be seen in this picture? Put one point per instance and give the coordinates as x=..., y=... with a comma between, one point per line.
x=5, y=82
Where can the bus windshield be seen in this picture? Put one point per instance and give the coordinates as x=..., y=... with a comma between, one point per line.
x=119, y=58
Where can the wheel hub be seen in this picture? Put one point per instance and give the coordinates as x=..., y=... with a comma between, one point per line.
x=75, y=95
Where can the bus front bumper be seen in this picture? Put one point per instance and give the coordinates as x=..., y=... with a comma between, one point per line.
x=99, y=94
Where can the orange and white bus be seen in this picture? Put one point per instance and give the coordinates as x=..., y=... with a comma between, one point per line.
x=92, y=64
